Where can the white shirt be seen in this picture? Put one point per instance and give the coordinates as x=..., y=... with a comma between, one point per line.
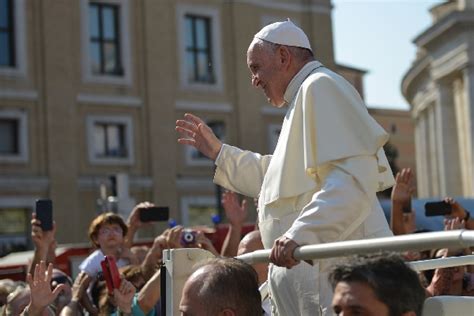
x=91, y=265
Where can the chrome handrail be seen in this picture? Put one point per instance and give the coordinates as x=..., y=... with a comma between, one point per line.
x=422, y=241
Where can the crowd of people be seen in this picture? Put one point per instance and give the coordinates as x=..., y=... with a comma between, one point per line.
x=378, y=284
x=319, y=186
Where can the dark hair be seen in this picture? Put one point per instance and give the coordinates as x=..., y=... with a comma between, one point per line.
x=393, y=282
x=232, y=284
x=101, y=220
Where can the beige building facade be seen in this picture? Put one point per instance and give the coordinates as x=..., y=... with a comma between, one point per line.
x=440, y=88
x=92, y=88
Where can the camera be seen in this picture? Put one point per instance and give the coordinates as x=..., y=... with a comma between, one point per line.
x=188, y=237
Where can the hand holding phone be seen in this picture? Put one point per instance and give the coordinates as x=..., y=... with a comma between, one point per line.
x=440, y=208
x=154, y=214
x=44, y=213
x=111, y=273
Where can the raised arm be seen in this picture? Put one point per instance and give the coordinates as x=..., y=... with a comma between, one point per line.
x=401, y=197
x=236, y=213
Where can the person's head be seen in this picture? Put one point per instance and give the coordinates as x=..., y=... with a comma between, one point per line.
x=107, y=230
x=133, y=274
x=381, y=285
x=17, y=300
x=221, y=287
x=59, y=277
x=252, y=242
x=274, y=57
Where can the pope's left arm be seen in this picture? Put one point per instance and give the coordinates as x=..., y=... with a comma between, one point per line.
x=334, y=212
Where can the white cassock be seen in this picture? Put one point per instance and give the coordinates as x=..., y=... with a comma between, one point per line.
x=319, y=185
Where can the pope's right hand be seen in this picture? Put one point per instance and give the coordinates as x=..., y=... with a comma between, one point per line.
x=197, y=133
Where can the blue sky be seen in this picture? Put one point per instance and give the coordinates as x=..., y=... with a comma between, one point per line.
x=377, y=35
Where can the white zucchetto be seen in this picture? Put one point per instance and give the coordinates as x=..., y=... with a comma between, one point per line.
x=284, y=33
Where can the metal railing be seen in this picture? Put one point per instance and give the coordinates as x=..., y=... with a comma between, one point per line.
x=418, y=242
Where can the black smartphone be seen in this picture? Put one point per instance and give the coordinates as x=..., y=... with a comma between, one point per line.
x=440, y=208
x=44, y=213
x=154, y=214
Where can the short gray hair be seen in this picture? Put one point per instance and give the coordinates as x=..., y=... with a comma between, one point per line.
x=300, y=53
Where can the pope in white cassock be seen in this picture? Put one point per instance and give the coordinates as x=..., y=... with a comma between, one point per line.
x=320, y=184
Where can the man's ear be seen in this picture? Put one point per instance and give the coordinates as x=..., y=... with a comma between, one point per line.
x=284, y=56
x=227, y=312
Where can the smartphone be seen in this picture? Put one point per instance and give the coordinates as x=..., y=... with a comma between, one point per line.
x=440, y=208
x=154, y=214
x=110, y=273
x=44, y=213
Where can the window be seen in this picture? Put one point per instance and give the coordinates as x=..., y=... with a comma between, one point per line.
x=198, y=49
x=13, y=136
x=9, y=136
x=7, y=34
x=14, y=229
x=106, y=42
x=104, y=46
x=110, y=139
x=198, y=210
x=194, y=157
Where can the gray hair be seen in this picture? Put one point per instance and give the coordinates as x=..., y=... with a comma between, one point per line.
x=300, y=53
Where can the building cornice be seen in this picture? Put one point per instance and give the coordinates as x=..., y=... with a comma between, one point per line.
x=24, y=184
x=412, y=74
x=295, y=7
x=446, y=23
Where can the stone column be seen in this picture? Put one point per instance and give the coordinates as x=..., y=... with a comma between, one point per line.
x=421, y=155
x=433, y=171
x=462, y=130
x=468, y=76
x=447, y=149
x=58, y=103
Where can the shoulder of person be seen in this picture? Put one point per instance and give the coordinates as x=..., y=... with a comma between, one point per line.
x=91, y=264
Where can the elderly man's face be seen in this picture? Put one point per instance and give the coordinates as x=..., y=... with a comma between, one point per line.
x=267, y=73
x=356, y=298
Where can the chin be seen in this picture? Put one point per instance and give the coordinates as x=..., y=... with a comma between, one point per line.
x=277, y=104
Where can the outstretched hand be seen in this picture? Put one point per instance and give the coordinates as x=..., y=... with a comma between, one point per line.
x=40, y=286
x=197, y=133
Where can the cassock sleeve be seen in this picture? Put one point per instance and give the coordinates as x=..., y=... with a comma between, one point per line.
x=240, y=170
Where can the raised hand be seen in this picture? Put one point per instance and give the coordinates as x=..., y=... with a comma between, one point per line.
x=203, y=242
x=173, y=237
x=40, y=288
x=235, y=212
x=41, y=239
x=403, y=188
x=197, y=133
x=457, y=211
x=124, y=296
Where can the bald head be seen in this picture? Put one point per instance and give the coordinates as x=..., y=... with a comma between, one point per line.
x=251, y=242
x=222, y=286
